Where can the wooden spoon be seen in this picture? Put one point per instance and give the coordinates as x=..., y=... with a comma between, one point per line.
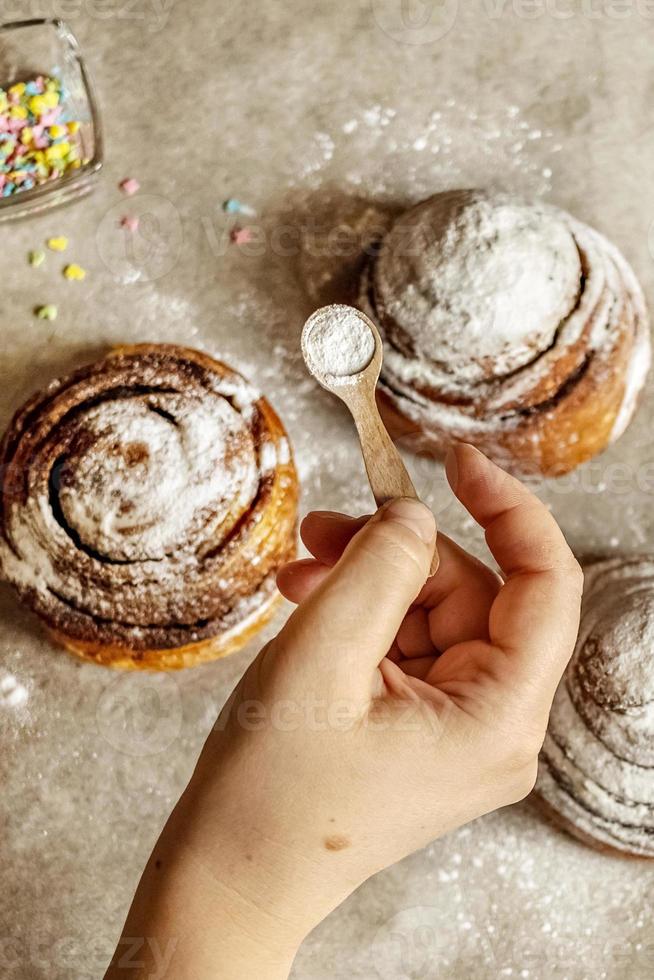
x=386, y=471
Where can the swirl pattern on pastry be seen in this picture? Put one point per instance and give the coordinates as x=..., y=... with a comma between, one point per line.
x=147, y=503
x=510, y=325
x=597, y=765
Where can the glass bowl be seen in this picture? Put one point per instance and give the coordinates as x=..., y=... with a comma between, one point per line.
x=46, y=47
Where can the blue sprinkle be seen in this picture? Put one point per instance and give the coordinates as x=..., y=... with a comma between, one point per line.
x=232, y=206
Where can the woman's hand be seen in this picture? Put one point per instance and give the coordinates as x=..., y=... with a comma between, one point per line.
x=389, y=710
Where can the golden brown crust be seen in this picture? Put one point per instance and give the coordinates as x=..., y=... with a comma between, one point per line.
x=189, y=656
x=553, y=442
x=147, y=503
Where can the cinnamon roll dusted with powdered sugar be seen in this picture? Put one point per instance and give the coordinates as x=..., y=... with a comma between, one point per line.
x=596, y=773
x=147, y=502
x=509, y=325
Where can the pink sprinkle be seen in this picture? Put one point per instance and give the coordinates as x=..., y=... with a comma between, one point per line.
x=2, y=180
x=129, y=186
x=241, y=236
x=4, y=123
x=40, y=84
x=130, y=222
x=50, y=118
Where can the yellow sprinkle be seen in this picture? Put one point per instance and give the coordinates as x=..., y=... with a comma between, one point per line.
x=51, y=85
x=3, y=101
x=74, y=272
x=26, y=135
x=75, y=164
x=17, y=89
x=18, y=112
x=57, y=131
x=73, y=127
x=51, y=99
x=59, y=244
x=37, y=105
x=57, y=152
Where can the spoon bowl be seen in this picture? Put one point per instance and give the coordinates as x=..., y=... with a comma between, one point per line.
x=368, y=374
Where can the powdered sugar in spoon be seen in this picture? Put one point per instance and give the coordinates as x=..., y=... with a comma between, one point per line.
x=343, y=351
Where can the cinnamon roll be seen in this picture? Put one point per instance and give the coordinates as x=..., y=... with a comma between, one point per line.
x=147, y=502
x=596, y=773
x=509, y=325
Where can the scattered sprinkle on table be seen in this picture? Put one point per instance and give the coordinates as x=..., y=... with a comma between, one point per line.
x=241, y=236
x=74, y=272
x=59, y=244
x=234, y=206
x=36, y=258
x=38, y=143
x=129, y=186
x=47, y=312
x=130, y=222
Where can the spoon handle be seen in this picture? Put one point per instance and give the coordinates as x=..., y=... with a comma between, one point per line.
x=387, y=474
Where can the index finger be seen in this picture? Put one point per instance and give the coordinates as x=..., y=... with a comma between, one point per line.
x=535, y=617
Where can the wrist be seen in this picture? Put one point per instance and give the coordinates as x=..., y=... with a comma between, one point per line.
x=186, y=923
x=245, y=914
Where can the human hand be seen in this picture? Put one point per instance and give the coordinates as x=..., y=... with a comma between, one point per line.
x=389, y=710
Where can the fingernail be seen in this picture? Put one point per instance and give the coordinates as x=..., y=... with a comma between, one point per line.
x=414, y=515
x=469, y=445
x=452, y=468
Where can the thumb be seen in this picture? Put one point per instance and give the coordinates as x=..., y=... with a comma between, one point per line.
x=352, y=618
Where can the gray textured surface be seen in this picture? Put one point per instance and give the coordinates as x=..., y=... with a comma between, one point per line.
x=310, y=109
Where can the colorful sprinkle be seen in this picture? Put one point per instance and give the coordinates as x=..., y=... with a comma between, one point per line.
x=130, y=222
x=36, y=258
x=129, y=186
x=36, y=144
x=240, y=236
x=75, y=272
x=59, y=244
x=233, y=206
x=47, y=312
